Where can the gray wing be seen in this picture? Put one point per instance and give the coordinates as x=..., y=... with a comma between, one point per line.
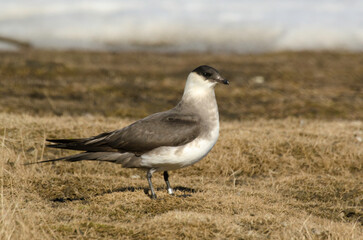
x=161, y=129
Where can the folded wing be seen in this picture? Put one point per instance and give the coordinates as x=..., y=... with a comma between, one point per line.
x=161, y=129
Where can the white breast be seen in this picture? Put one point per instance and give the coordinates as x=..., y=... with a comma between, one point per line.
x=171, y=158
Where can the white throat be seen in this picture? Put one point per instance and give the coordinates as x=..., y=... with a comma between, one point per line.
x=197, y=87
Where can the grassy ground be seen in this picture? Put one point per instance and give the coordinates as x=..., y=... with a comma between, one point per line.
x=267, y=178
x=326, y=85
x=288, y=163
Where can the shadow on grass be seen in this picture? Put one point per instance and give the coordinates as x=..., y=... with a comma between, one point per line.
x=129, y=189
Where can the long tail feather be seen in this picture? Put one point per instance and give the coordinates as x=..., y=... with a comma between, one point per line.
x=64, y=140
x=126, y=159
x=79, y=144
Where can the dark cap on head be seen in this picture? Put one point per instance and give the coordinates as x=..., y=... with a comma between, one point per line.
x=205, y=68
x=210, y=74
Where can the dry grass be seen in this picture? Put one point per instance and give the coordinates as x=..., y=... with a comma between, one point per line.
x=288, y=164
x=285, y=179
x=314, y=85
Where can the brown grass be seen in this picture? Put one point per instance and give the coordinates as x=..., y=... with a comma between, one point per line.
x=281, y=179
x=314, y=85
x=288, y=164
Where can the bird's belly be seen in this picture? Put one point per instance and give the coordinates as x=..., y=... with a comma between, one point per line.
x=171, y=158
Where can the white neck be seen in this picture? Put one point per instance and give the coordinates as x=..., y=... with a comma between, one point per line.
x=196, y=87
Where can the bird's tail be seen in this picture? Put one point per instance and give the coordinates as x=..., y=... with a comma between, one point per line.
x=93, y=144
x=126, y=159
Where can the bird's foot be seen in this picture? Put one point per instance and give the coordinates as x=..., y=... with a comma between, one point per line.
x=152, y=195
x=170, y=191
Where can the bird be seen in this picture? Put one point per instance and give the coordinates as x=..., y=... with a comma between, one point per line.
x=163, y=141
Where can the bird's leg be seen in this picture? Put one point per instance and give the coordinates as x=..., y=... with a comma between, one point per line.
x=149, y=175
x=166, y=178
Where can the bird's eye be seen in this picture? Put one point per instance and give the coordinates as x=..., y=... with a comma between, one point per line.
x=206, y=74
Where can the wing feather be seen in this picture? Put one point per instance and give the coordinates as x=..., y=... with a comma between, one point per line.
x=168, y=128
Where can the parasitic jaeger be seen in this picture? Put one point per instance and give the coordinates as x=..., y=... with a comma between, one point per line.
x=163, y=141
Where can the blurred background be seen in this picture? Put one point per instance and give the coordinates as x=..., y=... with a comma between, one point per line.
x=284, y=58
x=189, y=25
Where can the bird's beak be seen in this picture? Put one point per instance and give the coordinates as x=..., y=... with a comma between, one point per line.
x=219, y=79
x=225, y=81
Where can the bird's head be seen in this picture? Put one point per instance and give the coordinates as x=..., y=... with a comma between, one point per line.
x=204, y=77
x=208, y=75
